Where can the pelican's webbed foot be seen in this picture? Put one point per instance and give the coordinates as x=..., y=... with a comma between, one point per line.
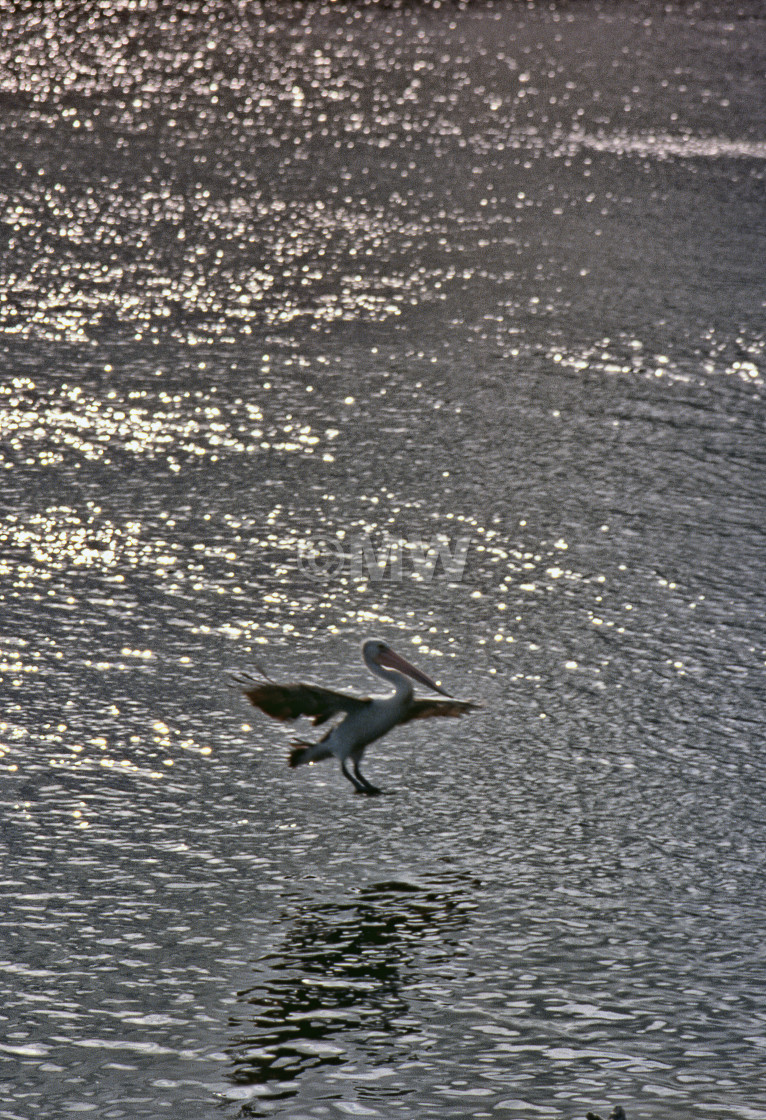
x=370, y=790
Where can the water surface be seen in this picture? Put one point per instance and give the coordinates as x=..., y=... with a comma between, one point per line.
x=279, y=281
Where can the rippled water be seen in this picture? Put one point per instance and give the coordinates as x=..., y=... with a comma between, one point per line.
x=282, y=283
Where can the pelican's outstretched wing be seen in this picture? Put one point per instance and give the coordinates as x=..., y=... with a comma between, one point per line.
x=423, y=709
x=290, y=701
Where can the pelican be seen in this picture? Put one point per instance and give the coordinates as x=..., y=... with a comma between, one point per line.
x=365, y=720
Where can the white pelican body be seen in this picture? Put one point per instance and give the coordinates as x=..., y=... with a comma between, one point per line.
x=365, y=719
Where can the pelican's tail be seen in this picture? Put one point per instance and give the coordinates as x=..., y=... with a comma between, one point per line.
x=302, y=752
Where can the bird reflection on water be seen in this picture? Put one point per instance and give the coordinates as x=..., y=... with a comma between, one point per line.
x=342, y=969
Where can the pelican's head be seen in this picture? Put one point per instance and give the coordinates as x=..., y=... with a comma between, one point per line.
x=375, y=652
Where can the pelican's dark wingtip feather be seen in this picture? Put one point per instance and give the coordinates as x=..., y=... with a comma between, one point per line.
x=284, y=702
x=424, y=709
x=290, y=701
x=241, y=677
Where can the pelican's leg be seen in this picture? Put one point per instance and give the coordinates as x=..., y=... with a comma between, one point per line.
x=358, y=786
x=368, y=786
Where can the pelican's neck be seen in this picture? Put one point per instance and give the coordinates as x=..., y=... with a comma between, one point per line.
x=403, y=685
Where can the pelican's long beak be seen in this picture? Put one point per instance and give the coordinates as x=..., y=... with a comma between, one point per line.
x=390, y=660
